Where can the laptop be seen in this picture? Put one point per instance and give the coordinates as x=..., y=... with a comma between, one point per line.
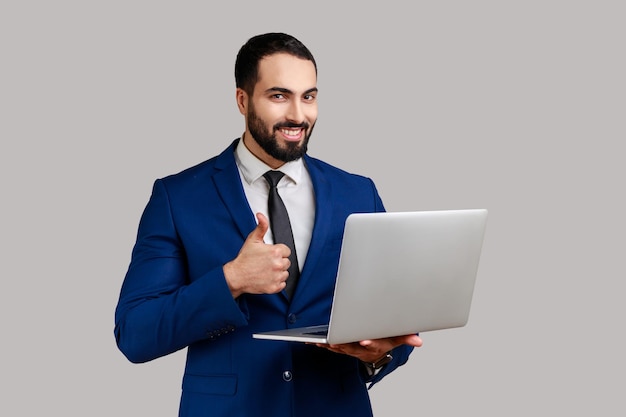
x=400, y=273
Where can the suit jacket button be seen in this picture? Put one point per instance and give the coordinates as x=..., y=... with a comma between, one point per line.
x=292, y=318
x=287, y=376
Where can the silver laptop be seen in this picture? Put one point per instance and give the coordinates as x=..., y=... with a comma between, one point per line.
x=400, y=273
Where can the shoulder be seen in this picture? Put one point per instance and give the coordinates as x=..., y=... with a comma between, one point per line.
x=333, y=173
x=204, y=170
x=353, y=191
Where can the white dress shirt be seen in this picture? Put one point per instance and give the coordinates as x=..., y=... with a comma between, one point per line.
x=295, y=189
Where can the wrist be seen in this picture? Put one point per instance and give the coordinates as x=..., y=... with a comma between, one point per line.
x=374, y=367
x=229, y=273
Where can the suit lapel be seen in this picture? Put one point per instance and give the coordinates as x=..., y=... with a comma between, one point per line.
x=228, y=184
x=321, y=228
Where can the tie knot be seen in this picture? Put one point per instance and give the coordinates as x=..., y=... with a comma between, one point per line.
x=273, y=177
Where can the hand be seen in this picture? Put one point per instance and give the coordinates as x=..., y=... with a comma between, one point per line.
x=373, y=350
x=259, y=268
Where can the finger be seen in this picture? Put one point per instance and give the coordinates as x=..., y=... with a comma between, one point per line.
x=259, y=231
x=409, y=339
x=365, y=343
x=281, y=286
x=283, y=250
x=414, y=340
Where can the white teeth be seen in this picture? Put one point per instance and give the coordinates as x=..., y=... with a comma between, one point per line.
x=291, y=132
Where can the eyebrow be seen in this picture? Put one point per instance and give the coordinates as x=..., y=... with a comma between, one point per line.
x=288, y=91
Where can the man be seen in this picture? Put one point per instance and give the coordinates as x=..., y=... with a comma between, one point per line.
x=205, y=275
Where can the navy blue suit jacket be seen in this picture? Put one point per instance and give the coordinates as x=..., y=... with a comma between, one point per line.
x=175, y=296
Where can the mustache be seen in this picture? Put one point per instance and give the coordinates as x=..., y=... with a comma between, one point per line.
x=288, y=125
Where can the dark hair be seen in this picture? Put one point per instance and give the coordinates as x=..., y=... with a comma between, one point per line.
x=261, y=46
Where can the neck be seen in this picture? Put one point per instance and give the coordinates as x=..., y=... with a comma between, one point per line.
x=257, y=151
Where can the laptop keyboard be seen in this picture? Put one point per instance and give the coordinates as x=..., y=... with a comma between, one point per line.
x=318, y=333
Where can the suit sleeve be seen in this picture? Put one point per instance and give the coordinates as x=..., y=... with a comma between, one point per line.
x=159, y=310
x=400, y=357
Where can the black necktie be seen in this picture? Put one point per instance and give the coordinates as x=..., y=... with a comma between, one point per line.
x=281, y=227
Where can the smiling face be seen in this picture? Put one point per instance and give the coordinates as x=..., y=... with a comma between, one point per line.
x=282, y=111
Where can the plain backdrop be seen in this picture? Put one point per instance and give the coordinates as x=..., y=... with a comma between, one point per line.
x=514, y=106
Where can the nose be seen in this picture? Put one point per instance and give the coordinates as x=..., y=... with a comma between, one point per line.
x=295, y=113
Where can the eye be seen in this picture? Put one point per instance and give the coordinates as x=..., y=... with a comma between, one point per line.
x=309, y=97
x=278, y=96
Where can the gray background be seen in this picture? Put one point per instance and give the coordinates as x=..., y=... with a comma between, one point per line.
x=517, y=107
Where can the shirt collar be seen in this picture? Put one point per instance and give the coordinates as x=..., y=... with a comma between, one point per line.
x=253, y=168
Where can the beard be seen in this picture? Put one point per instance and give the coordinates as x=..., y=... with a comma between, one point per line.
x=268, y=141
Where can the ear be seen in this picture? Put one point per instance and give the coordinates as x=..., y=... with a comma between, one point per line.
x=242, y=101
